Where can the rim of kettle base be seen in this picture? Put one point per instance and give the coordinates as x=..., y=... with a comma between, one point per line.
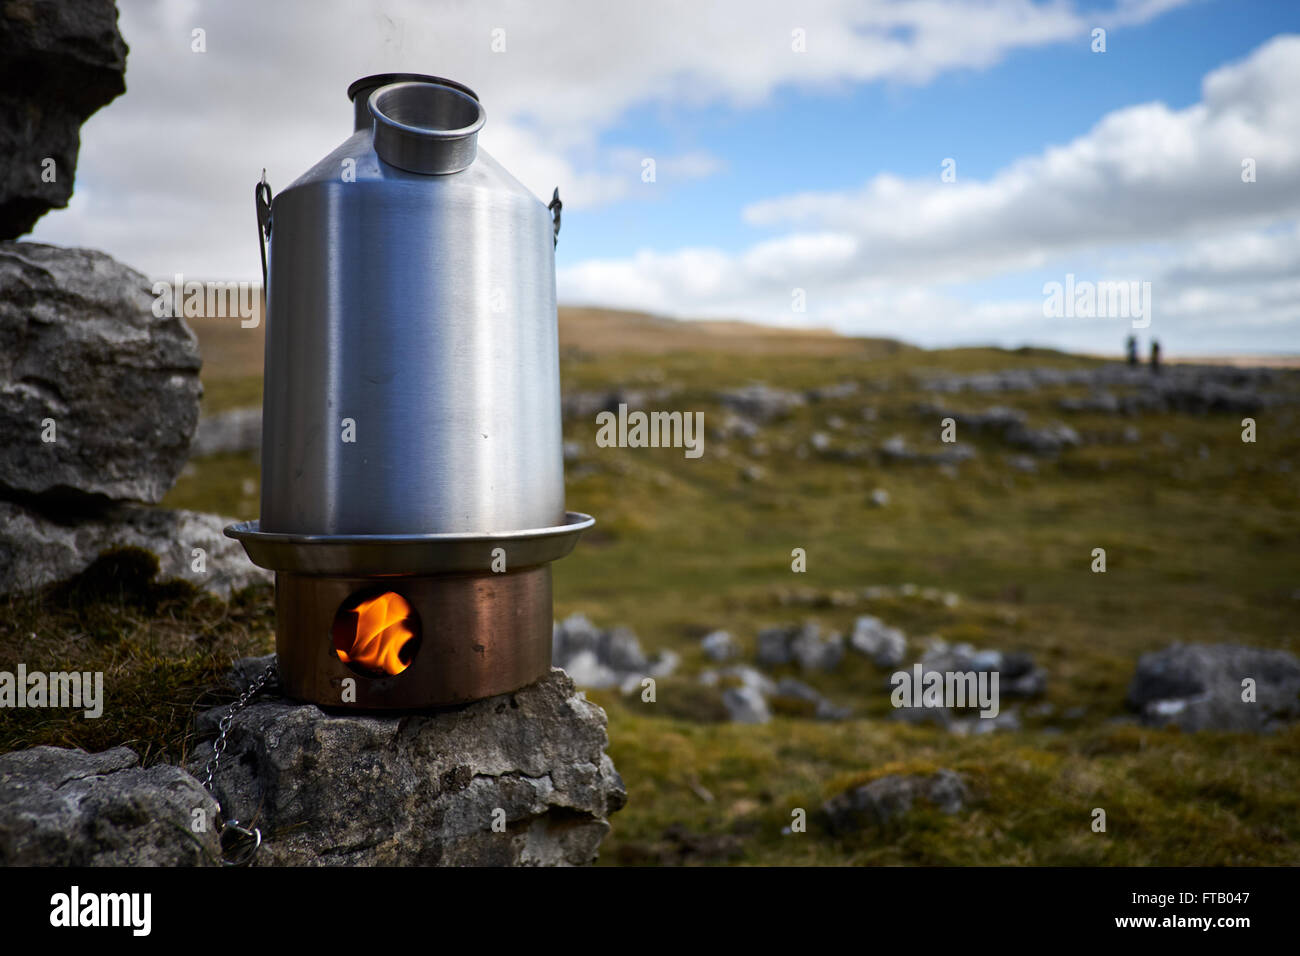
x=378, y=554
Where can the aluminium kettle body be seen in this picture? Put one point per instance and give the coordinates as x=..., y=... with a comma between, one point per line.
x=412, y=360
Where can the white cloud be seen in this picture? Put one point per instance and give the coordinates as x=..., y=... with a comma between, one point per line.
x=166, y=172
x=1142, y=175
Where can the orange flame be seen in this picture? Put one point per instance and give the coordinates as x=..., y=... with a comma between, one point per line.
x=380, y=640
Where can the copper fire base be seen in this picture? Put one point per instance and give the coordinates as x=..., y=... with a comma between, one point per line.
x=480, y=635
x=481, y=604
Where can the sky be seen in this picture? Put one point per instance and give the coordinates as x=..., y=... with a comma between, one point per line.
x=919, y=170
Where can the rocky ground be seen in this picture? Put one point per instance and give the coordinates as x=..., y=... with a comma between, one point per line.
x=749, y=702
x=741, y=691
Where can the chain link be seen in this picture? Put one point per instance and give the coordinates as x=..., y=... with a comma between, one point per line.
x=245, y=856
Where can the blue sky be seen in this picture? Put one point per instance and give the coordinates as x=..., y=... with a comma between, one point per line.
x=780, y=172
x=837, y=138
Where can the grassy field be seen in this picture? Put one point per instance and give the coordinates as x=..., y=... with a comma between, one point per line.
x=1201, y=533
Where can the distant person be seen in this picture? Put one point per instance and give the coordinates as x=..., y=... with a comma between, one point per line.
x=1155, y=357
x=1132, y=349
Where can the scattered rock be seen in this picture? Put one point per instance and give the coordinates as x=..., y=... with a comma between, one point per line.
x=750, y=696
x=802, y=644
x=99, y=397
x=887, y=799
x=760, y=402
x=719, y=646
x=829, y=393
x=952, y=453
x=605, y=658
x=586, y=670
x=998, y=418
x=1048, y=440
x=813, y=650
x=585, y=406
x=1199, y=687
x=423, y=789
x=746, y=705
x=734, y=426
x=739, y=675
x=1100, y=401
x=1198, y=389
x=886, y=646
x=773, y=646
x=70, y=808
x=1017, y=674
x=36, y=550
x=59, y=63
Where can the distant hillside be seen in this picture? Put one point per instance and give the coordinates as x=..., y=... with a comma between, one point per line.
x=230, y=351
x=602, y=331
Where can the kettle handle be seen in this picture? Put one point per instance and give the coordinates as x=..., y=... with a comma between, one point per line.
x=262, y=199
x=555, y=207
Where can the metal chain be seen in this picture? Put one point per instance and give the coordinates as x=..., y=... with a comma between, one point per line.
x=246, y=834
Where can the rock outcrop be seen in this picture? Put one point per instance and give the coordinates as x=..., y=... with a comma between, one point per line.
x=59, y=63
x=98, y=397
x=519, y=779
x=36, y=550
x=69, y=808
x=889, y=798
x=1203, y=687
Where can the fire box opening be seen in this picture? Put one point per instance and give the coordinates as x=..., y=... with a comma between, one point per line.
x=376, y=634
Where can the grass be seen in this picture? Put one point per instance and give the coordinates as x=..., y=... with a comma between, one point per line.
x=1200, y=532
x=164, y=650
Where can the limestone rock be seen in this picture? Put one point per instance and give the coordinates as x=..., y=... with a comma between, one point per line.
x=886, y=646
x=36, y=550
x=804, y=645
x=719, y=646
x=98, y=397
x=1199, y=687
x=746, y=705
x=423, y=789
x=599, y=658
x=887, y=799
x=760, y=402
x=69, y=808
x=59, y=63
